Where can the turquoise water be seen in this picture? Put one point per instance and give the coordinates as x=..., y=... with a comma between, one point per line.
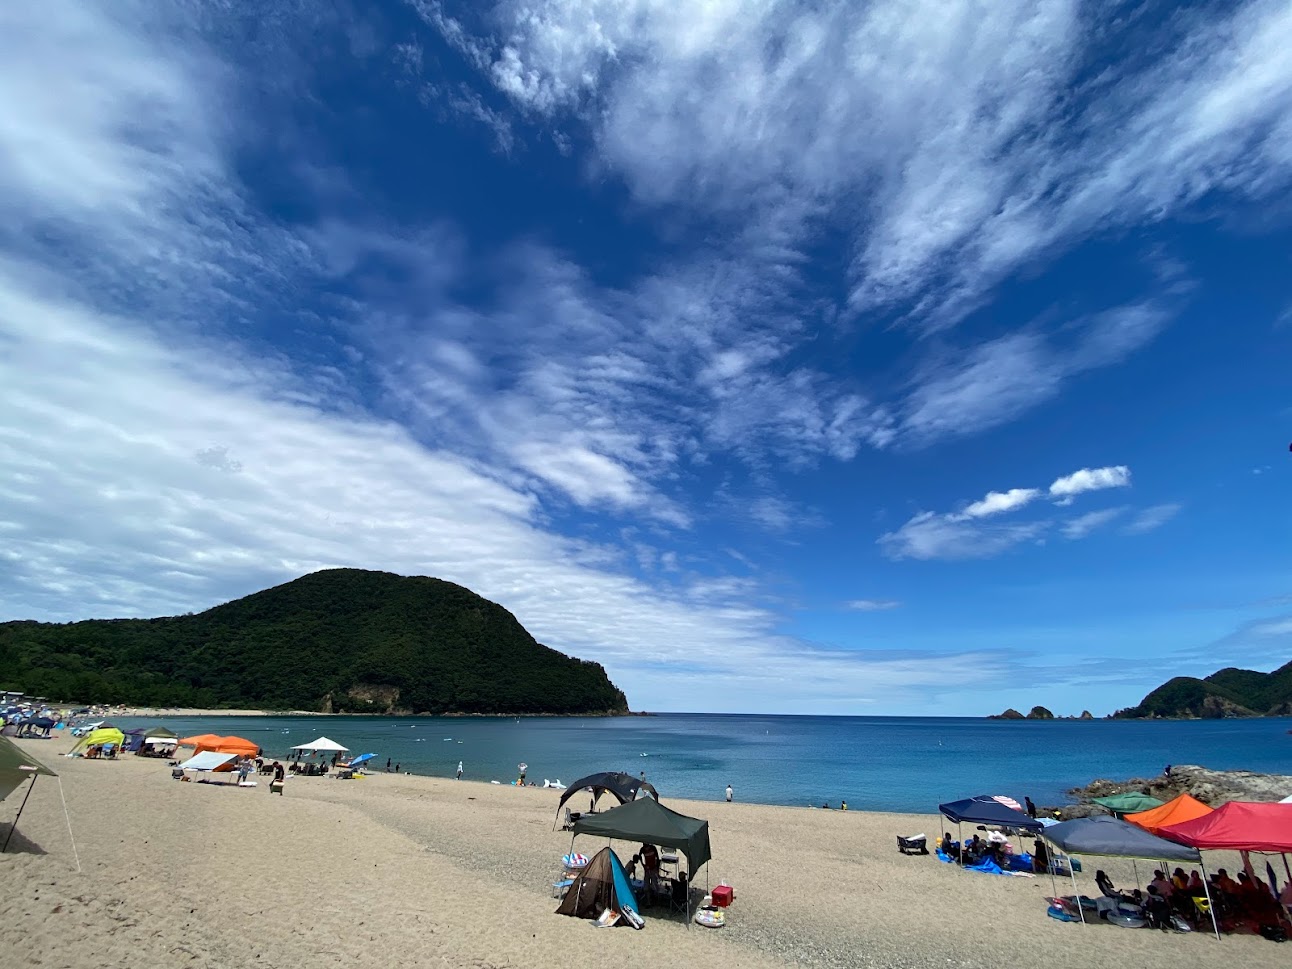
x=875, y=763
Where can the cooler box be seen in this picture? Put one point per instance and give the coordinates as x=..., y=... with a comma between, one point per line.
x=723, y=895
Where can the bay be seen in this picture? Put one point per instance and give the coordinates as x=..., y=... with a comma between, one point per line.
x=902, y=764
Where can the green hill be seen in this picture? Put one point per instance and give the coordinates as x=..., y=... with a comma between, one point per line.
x=1226, y=693
x=342, y=640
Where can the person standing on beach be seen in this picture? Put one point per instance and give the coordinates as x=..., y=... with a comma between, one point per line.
x=1031, y=808
x=730, y=792
x=459, y=777
x=396, y=768
x=387, y=765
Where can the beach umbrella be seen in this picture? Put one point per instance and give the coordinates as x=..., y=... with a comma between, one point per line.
x=1009, y=802
x=362, y=759
x=322, y=743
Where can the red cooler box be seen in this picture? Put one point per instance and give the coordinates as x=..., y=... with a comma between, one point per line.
x=723, y=895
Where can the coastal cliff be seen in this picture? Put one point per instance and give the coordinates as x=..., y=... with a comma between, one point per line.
x=336, y=641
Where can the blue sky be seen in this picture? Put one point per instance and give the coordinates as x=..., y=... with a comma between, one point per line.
x=873, y=358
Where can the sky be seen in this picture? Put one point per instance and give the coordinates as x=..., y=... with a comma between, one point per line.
x=874, y=358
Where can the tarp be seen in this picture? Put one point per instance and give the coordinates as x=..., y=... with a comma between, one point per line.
x=16, y=765
x=987, y=810
x=1183, y=808
x=623, y=786
x=1107, y=835
x=646, y=821
x=104, y=735
x=1238, y=826
x=208, y=760
x=602, y=884
x=322, y=743
x=1128, y=803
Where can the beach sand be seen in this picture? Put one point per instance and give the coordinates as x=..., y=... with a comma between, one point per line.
x=417, y=871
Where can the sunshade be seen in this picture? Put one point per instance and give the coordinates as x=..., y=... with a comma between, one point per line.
x=208, y=760
x=623, y=786
x=987, y=810
x=1183, y=808
x=1238, y=826
x=322, y=743
x=649, y=822
x=1008, y=801
x=200, y=740
x=362, y=759
x=1106, y=835
x=151, y=732
x=161, y=741
x=221, y=745
x=1129, y=803
x=104, y=735
x=16, y=765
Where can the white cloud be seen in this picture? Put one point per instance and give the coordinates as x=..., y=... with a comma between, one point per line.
x=872, y=605
x=1274, y=627
x=997, y=502
x=1083, y=525
x=1090, y=479
x=1153, y=518
x=959, y=141
x=930, y=536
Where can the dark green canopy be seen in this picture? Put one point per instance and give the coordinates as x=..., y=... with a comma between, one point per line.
x=16, y=765
x=1128, y=803
x=649, y=822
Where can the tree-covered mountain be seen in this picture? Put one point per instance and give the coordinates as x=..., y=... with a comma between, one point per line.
x=1227, y=693
x=341, y=640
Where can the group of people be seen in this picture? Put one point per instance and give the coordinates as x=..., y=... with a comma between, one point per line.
x=1244, y=897
x=994, y=848
x=647, y=857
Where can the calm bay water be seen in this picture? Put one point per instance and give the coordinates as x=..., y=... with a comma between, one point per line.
x=875, y=763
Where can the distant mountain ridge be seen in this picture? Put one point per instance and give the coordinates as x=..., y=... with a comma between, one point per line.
x=339, y=640
x=1230, y=692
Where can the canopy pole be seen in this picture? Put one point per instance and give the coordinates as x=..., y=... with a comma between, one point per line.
x=1211, y=906
x=1075, y=893
x=1049, y=864
x=14, y=827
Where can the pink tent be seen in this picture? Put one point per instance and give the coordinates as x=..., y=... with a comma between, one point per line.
x=1237, y=826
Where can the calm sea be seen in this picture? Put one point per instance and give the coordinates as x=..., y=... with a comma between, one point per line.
x=874, y=763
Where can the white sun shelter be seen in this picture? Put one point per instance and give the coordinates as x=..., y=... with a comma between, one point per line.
x=322, y=744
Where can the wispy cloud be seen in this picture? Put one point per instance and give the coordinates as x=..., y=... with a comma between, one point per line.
x=1152, y=518
x=1089, y=479
x=1083, y=525
x=872, y=605
x=997, y=502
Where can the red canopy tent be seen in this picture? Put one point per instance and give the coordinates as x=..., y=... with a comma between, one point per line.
x=1237, y=826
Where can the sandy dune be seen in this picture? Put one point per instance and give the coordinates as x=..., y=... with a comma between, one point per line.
x=414, y=871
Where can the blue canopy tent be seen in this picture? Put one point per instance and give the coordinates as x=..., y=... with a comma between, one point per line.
x=985, y=809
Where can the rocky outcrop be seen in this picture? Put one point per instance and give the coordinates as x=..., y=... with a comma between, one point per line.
x=1213, y=787
x=1040, y=713
x=1010, y=714
x=1086, y=715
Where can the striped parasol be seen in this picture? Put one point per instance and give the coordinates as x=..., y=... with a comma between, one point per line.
x=1009, y=802
x=574, y=860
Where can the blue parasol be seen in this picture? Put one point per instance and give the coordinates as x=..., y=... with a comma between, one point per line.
x=362, y=759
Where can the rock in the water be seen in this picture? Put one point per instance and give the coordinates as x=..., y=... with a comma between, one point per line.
x=1213, y=787
x=1086, y=715
x=1010, y=714
x=1040, y=713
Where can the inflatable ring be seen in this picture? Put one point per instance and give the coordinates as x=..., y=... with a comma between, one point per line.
x=711, y=918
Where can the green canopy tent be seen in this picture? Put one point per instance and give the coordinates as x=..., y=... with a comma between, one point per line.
x=1129, y=803
x=648, y=822
x=16, y=766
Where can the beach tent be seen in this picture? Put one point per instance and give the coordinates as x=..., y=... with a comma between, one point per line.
x=1183, y=808
x=221, y=745
x=103, y=735
x=646, y=821
x=16, y=766
x=622, y=785
x=1238, y=826
x=1112, y=837
x=988, y=810
x=1286, y=800
x=602, y=884
x=322, y=743
x=210, y=760
x=1129, y=803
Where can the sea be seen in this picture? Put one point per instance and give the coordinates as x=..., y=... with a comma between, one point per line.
x=902, y=764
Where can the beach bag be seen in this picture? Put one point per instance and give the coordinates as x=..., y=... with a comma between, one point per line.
x=1275, y=933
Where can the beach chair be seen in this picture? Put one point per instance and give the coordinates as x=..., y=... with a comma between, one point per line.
x=916, y=845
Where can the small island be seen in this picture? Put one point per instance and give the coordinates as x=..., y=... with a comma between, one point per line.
x=1230, y=692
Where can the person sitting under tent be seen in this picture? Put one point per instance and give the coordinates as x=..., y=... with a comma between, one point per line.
x=1041, y=858
x=1157, y=908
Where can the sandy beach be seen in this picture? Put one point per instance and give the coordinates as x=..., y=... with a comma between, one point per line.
x=420, y=871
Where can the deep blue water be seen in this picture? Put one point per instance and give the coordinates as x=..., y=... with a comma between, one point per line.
x=875, y=763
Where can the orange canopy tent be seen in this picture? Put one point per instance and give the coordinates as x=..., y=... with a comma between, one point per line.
x=1183, y=808
x=221, y=745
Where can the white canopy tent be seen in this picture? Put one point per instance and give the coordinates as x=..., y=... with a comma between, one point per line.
x=322, y=743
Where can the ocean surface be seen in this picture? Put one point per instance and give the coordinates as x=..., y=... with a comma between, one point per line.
x=874, y=763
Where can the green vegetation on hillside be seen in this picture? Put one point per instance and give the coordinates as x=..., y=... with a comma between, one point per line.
x=344, y=640
x=1227, y=693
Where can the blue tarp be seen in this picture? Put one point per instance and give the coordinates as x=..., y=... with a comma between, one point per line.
x=987, y=867
x=987, y=810
x=623, y=890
